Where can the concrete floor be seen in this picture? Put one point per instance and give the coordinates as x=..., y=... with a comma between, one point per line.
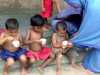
x=49, y=70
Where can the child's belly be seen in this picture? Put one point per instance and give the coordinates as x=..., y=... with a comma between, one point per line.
x=35, y=47
x=9, y=47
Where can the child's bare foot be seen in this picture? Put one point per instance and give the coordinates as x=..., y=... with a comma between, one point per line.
x=58, y=73
x=24, y=72
x=40, y=69
x=88, y=72
x=29, y=70
x=5, y=73
x=75, y=66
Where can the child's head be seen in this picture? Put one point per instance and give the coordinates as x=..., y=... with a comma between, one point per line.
x=37, y=22
x=61, y=28
x=12, y=25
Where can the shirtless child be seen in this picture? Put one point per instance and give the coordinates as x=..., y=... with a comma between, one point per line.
x=37, y=44
x=60, y=44
x=11, y=42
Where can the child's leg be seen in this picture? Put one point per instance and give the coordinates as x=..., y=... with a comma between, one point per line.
x=29, y=64
x=58, y=63
x=9, y=62
x=46, y=62
x=72, y=54
x=23, y=61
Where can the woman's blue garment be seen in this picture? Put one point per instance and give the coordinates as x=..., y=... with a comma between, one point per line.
x=89, y=32
x=92, y=60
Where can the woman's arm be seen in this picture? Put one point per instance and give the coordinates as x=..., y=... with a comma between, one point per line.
x=58, y=4
x=42, y=5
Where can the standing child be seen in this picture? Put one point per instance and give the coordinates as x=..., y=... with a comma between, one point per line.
x=11, y=42
x=37, y=44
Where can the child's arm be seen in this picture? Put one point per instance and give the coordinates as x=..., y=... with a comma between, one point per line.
x=21, y=39
x=4, y=39
x=54, y=41
x=27, y=38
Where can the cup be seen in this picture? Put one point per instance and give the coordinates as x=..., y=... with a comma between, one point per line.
x=43, y=41
x=64, y=44
x=16, y=43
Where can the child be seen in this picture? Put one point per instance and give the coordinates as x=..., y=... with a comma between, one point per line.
x=37, y=45
x=11, y=46
x=58, y=48
x=59, y=45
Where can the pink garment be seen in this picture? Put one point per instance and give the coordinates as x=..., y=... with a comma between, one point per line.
x=48, y=5
x=2, y=31
x=40, y=55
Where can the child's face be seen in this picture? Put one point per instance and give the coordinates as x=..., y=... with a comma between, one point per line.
x=12, y=32
x=61, y=30
x=38, y=29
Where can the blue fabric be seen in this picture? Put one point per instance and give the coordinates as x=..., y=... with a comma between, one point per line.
x=74, y=3
x=4, y=54
x=92, y=60
x=89, y=33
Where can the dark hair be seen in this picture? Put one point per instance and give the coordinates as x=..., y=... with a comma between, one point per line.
x=62, y=24
x=12, y=23
x=37, y=20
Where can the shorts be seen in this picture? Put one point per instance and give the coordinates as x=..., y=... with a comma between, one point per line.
x=5, y=54
x=43, y=54
x=2, y=30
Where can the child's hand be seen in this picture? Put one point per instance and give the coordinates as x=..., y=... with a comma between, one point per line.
x=69, y=45
x=66, y=44
x=9, y=38
x=4, y=39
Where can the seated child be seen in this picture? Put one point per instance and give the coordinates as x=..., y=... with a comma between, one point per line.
x=11, y=46
x=37, y=44
x=59, y=46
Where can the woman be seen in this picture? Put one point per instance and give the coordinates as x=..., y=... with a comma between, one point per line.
x=89, y=33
